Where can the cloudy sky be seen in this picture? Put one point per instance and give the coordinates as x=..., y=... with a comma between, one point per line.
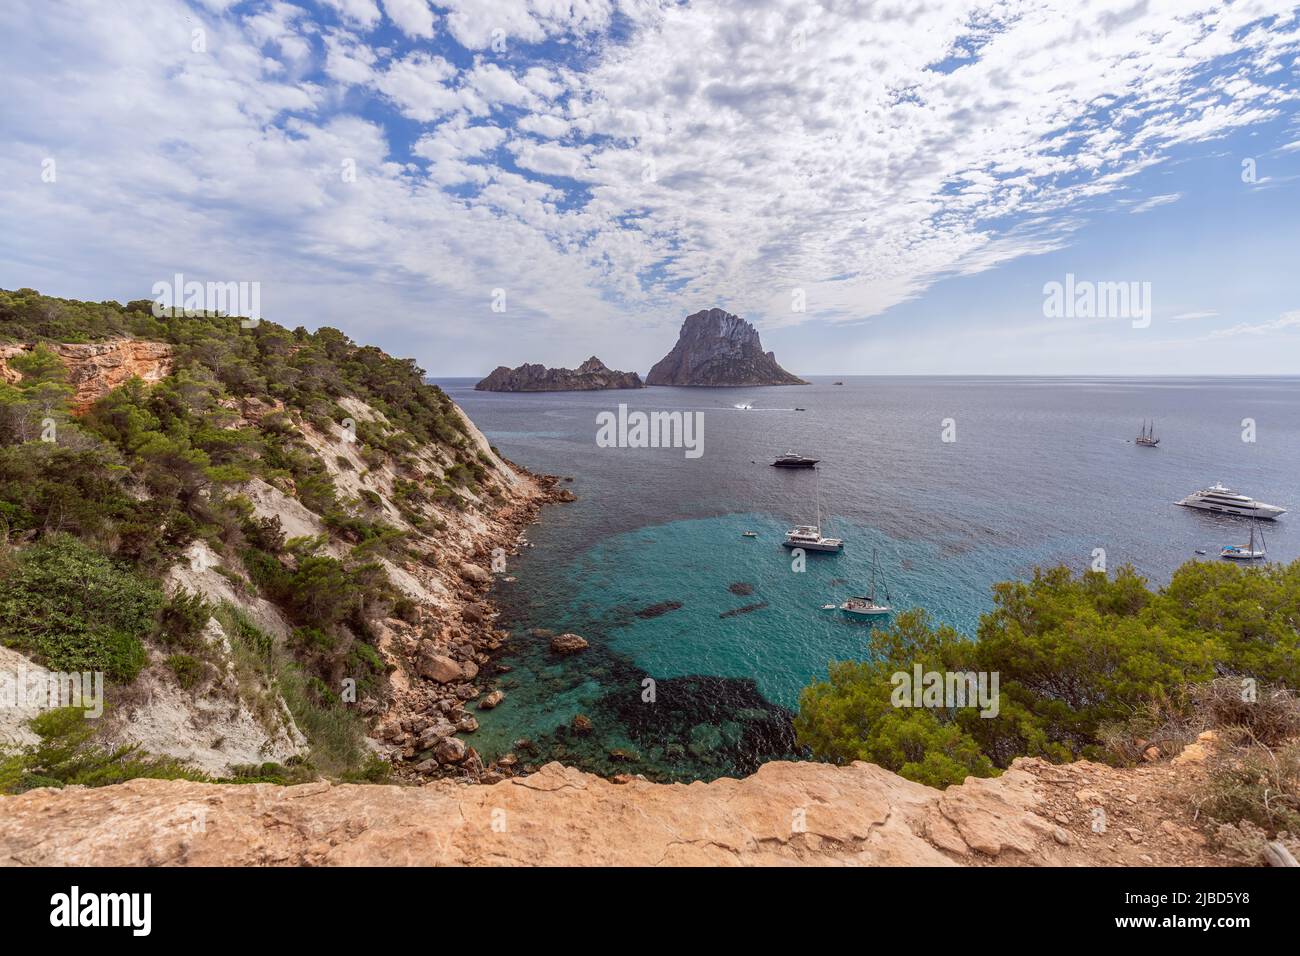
x=913, y=172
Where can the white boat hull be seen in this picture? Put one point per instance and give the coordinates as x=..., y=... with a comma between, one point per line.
x=814, y=545
x=1241, y=554
x=861, y=612
x=1257, y=510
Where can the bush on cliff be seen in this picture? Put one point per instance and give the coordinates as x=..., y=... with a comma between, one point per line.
x=1073, y=655
x=77, y=610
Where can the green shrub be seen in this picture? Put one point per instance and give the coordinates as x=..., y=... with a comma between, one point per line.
x=1078, y=658
x=188, y=669
x=182, y=620
x=77, y=610
x=67, y=755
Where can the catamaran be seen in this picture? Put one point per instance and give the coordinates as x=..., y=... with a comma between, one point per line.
x=809, y=536
x=1148, y=437
x=868, y=606
x=1246, y=552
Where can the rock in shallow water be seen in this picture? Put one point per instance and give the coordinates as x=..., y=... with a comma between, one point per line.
x=568, y=644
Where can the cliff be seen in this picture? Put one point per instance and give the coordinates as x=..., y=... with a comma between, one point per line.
x=1035, y=814
x=591, y=375
x=716, y=348
x=96, y=368
x=304, y=455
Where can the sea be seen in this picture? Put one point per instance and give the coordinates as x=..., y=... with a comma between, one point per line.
x=702, y=638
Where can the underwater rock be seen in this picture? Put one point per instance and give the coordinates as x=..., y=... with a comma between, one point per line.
x=758, y=606
x=657, y=610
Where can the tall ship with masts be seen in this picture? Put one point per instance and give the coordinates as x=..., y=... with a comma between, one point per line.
x=1148, y=438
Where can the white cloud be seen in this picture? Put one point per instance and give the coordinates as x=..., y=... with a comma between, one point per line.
x=1287, y=320
x=544, y=125
x=1154, y=202
x=413, y=17
x=362, y=13
x=711, y=153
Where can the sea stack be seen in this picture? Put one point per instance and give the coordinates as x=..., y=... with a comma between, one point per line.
x=716, y=348
x=589, y=376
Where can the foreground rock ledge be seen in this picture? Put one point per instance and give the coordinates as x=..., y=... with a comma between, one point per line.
x=786, y=813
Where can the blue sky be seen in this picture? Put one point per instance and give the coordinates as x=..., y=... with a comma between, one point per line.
x=915, y=174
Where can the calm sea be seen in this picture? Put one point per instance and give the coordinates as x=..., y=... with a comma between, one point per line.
x=1042, y=471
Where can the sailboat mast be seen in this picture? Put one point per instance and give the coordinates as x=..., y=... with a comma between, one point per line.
x=818, y=485
x=873, y=576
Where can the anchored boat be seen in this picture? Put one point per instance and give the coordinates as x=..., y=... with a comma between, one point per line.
x=868, y=606
x=1246, y=552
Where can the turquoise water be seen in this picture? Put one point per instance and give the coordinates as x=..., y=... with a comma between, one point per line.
x=1043, y=472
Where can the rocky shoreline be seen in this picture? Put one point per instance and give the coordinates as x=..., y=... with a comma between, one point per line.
x=445, y=660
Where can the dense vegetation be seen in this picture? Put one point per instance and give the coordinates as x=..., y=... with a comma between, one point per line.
x=1077, y=657
x=94, y=509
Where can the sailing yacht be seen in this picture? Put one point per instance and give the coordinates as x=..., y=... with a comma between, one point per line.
x=1247, y=552
x=809, y=536
x=867, y=606
x=1148, y=437
x=1226, y=501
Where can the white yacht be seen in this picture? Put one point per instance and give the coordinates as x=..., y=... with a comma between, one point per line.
x=868, y=606
x=809, y=537
x=1247, y=552
x=1226, y=501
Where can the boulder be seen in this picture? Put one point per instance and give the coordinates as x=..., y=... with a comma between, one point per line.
x=472, y=572
x=443, y=669
x=568, y=644
x=491, y=700
x=450, y=750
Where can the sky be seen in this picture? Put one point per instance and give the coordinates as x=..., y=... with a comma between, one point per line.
x=880, y=187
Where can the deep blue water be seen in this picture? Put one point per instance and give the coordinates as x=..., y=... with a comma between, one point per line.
x=1042, y=472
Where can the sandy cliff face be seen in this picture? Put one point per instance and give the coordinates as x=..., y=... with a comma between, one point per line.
x=96, y=368
x=786, y=813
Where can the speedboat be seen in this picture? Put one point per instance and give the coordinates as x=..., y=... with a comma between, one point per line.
x=1226, y=501
x=791, y=460
x=1246, y=552
x=749, y=534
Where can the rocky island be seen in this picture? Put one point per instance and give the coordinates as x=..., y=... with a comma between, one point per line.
x=716, y=348
x=589, y=376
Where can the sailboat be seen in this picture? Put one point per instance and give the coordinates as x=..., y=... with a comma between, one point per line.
x=1148, y=437
x=809, y=536
x=867, y=606
x=1247, y=552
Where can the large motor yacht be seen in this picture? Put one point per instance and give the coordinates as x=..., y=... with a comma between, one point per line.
x=791, y=460
x=1226, y=501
